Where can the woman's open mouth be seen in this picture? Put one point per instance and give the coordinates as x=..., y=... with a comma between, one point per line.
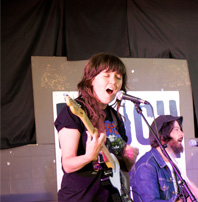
x=109, y=91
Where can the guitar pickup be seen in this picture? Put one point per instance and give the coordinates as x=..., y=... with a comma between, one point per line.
x=108, y=172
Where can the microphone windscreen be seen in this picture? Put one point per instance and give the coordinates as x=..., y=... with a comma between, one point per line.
x=119, y=95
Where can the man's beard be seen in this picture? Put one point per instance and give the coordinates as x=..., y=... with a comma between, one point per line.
x=176, y=147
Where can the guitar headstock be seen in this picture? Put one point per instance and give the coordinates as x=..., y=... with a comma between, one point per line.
x=74, y=106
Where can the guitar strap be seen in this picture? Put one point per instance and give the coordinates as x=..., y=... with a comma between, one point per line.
x=114, y=118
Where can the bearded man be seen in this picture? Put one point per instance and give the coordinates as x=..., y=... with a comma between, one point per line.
x=153, y=178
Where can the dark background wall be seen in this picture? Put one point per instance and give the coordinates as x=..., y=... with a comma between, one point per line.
x=78, y=29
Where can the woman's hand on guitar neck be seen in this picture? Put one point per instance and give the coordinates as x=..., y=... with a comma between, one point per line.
x=94, y=144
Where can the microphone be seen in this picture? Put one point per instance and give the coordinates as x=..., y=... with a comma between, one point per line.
x=122, y=95
x=193, y=143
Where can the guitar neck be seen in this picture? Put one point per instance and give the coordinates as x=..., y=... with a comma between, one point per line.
x=110, y=163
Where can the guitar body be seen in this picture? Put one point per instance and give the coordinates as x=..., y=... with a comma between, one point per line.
x=111, y=180
x=115, y=181
x=112, y=174
x=115, y=178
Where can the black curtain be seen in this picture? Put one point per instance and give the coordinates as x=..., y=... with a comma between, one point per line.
x=78, y=29
x=29, y=28
x=166, y=29
x=96, y=26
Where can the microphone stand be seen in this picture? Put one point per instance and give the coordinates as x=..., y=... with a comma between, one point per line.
x=183, y=185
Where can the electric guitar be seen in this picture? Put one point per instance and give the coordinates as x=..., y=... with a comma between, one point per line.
x=112, y=161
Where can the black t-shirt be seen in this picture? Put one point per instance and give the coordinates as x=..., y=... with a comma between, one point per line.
x=115, y=132
x=85, y=184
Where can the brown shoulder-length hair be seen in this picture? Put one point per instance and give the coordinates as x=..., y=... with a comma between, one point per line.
x=95, y=65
